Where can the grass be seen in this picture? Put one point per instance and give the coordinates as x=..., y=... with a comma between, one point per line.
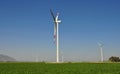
x=61, y=68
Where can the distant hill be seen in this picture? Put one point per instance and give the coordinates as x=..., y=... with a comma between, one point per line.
x=6, y=58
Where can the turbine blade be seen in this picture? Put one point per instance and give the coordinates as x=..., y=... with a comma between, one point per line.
x=52, y=14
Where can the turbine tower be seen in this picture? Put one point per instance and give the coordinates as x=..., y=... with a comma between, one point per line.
x=101, y=50
x=56, y=33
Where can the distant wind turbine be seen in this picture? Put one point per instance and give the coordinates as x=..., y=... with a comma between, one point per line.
x=101, y=50
x=36, y=58
x=56, y=33
x=62, y=57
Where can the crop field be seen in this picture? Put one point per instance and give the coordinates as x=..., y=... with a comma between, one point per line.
x=60, y=68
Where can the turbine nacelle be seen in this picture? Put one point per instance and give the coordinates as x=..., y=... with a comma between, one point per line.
x=100, y=44
x=58, y=21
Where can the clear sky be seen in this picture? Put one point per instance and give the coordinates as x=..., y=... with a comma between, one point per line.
x=26, y=29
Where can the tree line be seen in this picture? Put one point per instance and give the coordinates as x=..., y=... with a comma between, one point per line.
x=114, y=59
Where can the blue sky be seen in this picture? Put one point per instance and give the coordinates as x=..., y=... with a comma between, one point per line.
x=26, y=29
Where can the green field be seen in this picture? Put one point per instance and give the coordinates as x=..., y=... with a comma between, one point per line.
x=61, y=68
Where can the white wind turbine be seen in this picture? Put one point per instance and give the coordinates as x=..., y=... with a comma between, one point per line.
x=56, y=33
x=36, y=59
x=62, y=58
x=101, y=50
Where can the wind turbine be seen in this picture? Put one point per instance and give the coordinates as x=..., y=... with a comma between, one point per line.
x=56, y=33
x=36, y=58
x=62, y=58
x=101, y=50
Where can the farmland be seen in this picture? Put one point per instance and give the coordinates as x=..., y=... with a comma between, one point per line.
x=61, y=68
